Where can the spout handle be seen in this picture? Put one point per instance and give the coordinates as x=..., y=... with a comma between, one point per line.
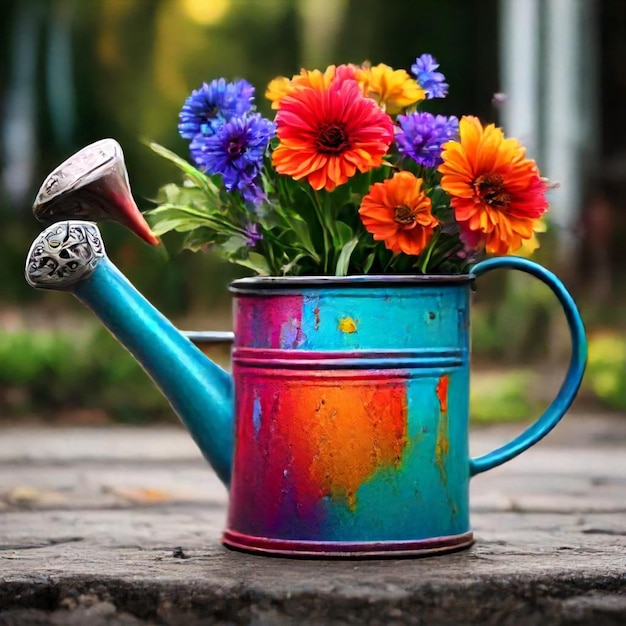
x=63, y=255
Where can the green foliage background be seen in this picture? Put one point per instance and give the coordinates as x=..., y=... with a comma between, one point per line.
x=91, y=69
x=129, y=65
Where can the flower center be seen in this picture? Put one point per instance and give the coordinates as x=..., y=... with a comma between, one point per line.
x=235, y=148
x=332, y=138
x=490, y=188
x=403, y=215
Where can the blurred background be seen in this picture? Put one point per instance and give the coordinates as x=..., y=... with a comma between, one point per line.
x=551, y=72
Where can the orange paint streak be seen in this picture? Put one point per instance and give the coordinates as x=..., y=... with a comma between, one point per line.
x=343, y=434
x=442, y=445
x=442, y=393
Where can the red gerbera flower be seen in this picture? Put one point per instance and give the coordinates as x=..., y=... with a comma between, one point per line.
x=326, y=135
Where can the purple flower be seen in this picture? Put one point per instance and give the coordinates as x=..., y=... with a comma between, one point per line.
x=431, y=81
x=253, y=236
x=236, y=151
x=208, y=107
x=421, y=136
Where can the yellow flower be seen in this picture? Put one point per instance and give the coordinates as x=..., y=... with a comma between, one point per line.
x=277, y=89
x=393, y=90
x=529, y=246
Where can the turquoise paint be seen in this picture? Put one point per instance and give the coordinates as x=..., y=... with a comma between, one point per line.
x=412, y=501
x=199, y=391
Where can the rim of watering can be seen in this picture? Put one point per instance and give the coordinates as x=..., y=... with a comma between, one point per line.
x=361, y=280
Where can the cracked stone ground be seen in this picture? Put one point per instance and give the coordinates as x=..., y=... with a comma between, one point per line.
x=122, y=526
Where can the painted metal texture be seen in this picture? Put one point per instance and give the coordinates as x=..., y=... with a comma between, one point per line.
x=351, y=417
x=344, y=428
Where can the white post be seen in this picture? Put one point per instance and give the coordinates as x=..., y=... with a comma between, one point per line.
x=568, y=131
x=520, y=71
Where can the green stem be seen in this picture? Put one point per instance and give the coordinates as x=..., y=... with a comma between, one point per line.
x=389, y=263
x=428, y=252
x=319, y=212
x=445, y=252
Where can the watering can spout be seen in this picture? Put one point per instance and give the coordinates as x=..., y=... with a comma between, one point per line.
x=92, y=185
x=70, y=256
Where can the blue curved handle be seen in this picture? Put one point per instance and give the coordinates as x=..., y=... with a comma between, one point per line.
x=569, y=388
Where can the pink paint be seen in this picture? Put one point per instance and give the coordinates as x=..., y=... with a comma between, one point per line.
x=267, y=322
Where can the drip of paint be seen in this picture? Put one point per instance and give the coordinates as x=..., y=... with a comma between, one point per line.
x=316, y=312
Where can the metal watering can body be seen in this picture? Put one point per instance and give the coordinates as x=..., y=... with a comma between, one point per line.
x=343, y=430
x=351, y=415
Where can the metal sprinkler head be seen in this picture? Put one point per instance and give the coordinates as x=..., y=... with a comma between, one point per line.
x=92, y=185
x=64, y=254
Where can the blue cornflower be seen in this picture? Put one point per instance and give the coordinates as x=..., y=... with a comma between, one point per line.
x=208, y=107
x=431, y=81
x=236, y=151
x=422, y=135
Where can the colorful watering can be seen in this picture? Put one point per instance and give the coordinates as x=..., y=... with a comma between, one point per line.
x=343, y=430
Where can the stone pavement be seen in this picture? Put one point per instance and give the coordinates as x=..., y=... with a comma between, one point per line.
x=121, y=526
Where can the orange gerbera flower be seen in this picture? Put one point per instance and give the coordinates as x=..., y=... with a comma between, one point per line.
x=398, y=212
x=496, y=192
x=281, y=86
x=393, y=90
x=327, y=135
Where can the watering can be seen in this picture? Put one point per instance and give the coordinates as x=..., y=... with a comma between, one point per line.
x=343, y=428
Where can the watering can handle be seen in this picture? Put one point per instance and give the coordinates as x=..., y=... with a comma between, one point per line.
x=209, y=337
x=552, y=415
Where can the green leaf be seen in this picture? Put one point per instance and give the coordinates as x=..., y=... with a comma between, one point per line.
x=301, y=230
x=344, y=234
x=440, y=202
x=343, y=262
x=199, y=239
x=182, y=219
x=369, y=261
x=187, y=196
x=233, y=244
x=286, y=269
x=256, y=262
x=200, y=180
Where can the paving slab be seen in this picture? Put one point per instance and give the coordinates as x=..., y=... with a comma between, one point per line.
x=121, y=526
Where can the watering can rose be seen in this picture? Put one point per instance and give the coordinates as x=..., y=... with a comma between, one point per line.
x=350, y=177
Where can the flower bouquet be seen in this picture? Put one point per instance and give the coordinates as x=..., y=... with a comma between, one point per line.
x=350, y=177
